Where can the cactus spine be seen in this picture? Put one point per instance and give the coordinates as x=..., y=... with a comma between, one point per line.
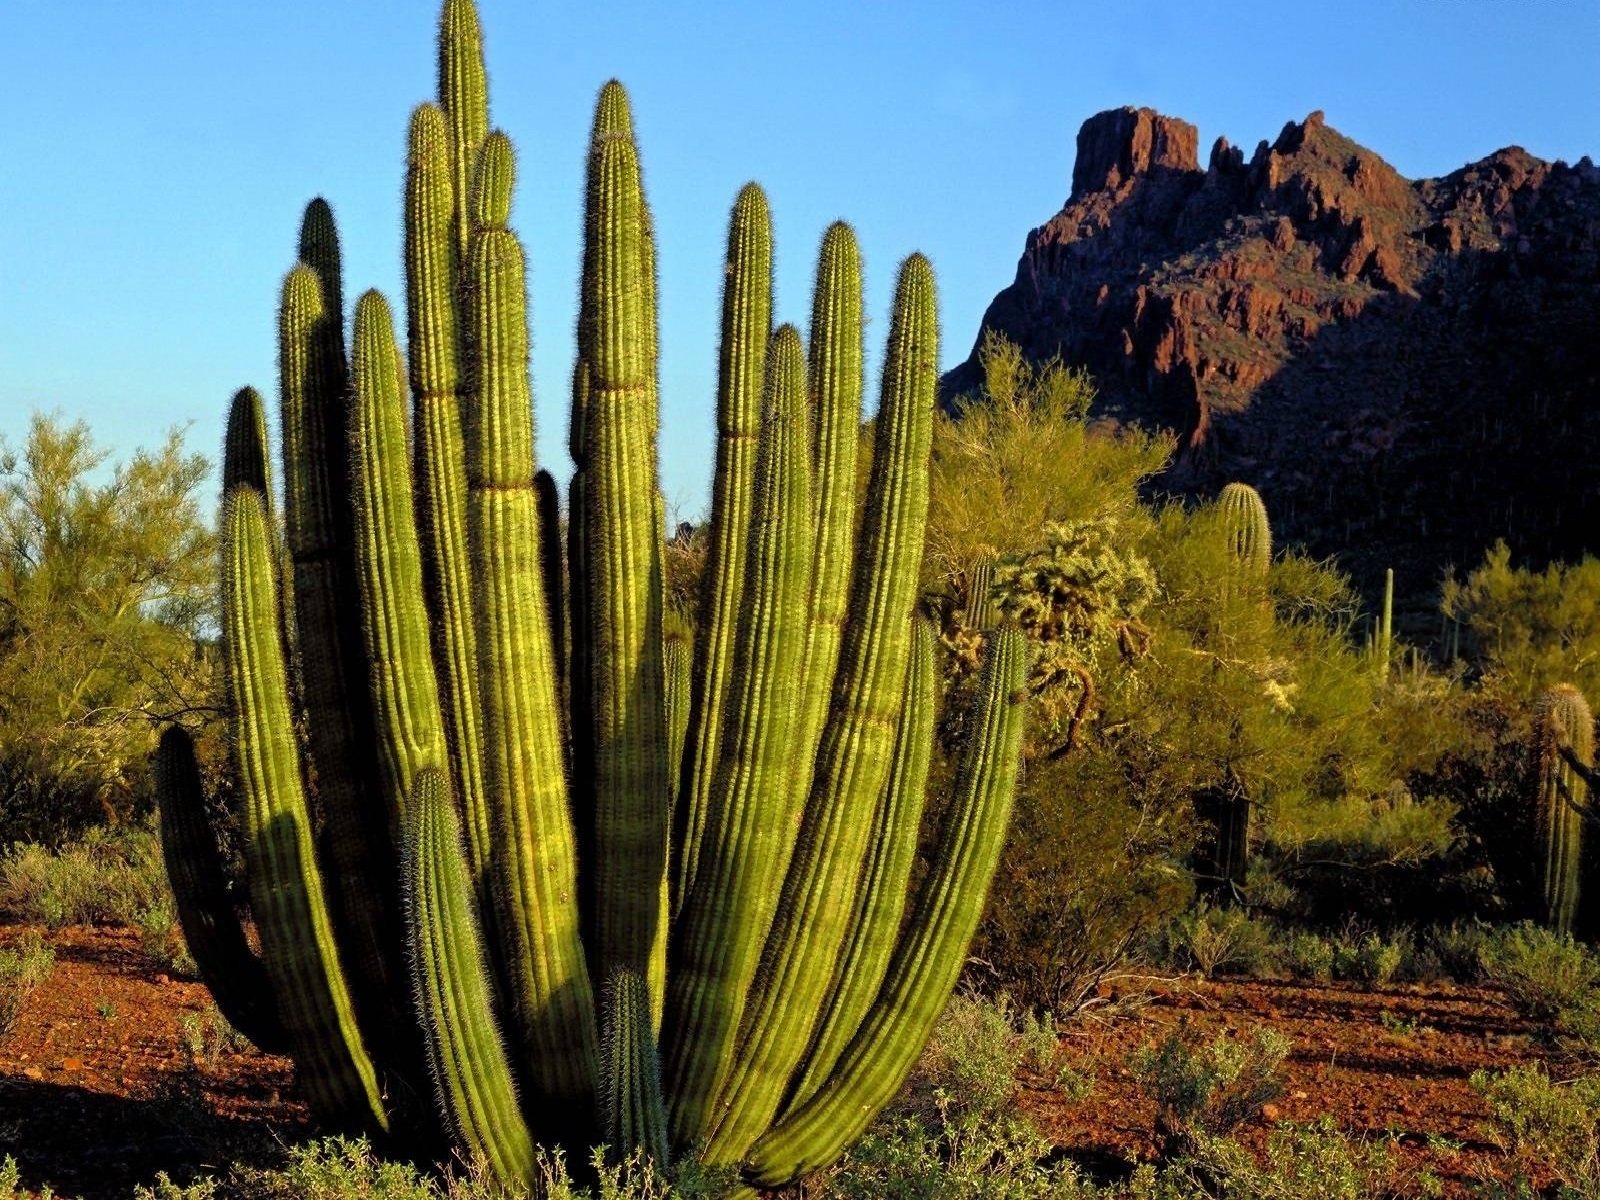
x=1564, y=722
x=550, y=807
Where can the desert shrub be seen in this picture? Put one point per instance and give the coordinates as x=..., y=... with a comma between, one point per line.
x=338, y=1168
x=976, y=1049
x=1369, y=958
x=1308, y=956
x=1548, y=977
x=1209, y=1087
x=1300, y=1161
x=161, y=939
x=22, y=969
x=1459, y=948
x=1217, y=940
x=109, y=875
x=1551, y=1127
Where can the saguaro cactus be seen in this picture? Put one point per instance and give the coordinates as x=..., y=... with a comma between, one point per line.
x=1248, y=531
x=1564, y=724
x=516, y=814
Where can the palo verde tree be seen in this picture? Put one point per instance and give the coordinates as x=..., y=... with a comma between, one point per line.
x=633, y=897
x=105, y=593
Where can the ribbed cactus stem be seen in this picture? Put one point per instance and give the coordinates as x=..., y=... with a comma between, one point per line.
x=326, y=619
x=405, y=692
x=464, y=97
x=244, y=446
x=451, y=989
x=746, y=326
x=1564, y=721
x=881, y=901
x=319, y=250
x=750, y=826
x=818, y=896
x=1245, y=521
x=296, y=935
x=624, y=783
x=534, y=867
x=635, y=1117
x=981, y=612
x=236, y=978
x=932, y=948
x=494, y=178
x=437, y=386
x=1386, y=626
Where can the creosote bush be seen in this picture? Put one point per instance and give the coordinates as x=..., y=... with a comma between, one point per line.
x=23, y=968
x=1208, y=1088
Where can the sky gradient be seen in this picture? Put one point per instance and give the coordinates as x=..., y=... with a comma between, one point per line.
x=156, y=157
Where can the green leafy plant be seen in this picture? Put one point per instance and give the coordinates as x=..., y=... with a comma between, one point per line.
x=1550, y=978
x=1208, y=1088
x=23, y=968
x=1217, y=940
x=1550, y=1127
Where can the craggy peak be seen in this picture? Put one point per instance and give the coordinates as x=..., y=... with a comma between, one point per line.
x=1386, y=359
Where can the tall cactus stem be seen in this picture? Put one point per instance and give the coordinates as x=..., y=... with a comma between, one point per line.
x=235, y=976
x=634, y=1116
x=296, y=935
x=932, y=948
x=741, y=367
x=450, y=979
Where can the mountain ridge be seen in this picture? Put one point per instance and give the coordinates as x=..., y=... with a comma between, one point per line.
x=1404, y=368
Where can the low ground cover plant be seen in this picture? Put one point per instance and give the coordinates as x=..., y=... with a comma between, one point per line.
x=23, y=967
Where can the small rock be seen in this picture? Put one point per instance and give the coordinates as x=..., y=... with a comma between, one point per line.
x=162, y=979
x=33, y=1073
x=72, y=1064
x=1271, y=1112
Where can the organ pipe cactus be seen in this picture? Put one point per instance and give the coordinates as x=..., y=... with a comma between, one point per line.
x=1565, y=726
x=634, y=887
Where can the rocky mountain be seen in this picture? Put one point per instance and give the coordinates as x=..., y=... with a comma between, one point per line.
x=1406, y=369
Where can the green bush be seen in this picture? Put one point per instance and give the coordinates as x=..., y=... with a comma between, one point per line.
x=1553, y=1128
x=22, y=970
x=973, y=1058
x=1548, y=977
x=1309, y=957
x=1301, y=1161
x=109, y=875
x=1216, y=940
x=1208, y=1088
x=1368, y=958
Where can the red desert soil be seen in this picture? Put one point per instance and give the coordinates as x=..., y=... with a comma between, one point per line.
x=98, y=1092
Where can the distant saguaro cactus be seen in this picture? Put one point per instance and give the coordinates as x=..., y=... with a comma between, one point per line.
x=1564, y=724
x=1249, y=533
x=513, y=816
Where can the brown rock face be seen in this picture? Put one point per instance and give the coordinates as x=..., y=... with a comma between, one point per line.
x=1405, y=370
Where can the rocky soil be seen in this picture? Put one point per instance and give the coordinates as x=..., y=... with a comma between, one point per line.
x=116, y=1072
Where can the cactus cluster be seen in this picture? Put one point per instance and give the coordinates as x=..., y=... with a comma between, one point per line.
x=1249, y=534
x=570, y=880
x=1564, y=723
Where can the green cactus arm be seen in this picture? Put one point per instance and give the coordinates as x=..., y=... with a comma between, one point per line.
x=1564, y=721
x=927, y=960
x=834, y=383
x=333, y=677
x=553, y=567
x=624, y=782
x=409, y=726
x=1248, y=530
x=818, y=894
x=494, y=178
x=244, y=446
x=296, y=935
x=746, y=327
x=472, y=1080
x=534, y=868
x=635, y=1116
x=236, y=977
x=750, y=827
x=677, y=665
x=319, y=250
x=433, y=322
x=982, y=612
x=881, y=899
x=464, y=97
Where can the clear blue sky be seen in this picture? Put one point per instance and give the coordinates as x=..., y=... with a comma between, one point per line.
x=155, y=156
